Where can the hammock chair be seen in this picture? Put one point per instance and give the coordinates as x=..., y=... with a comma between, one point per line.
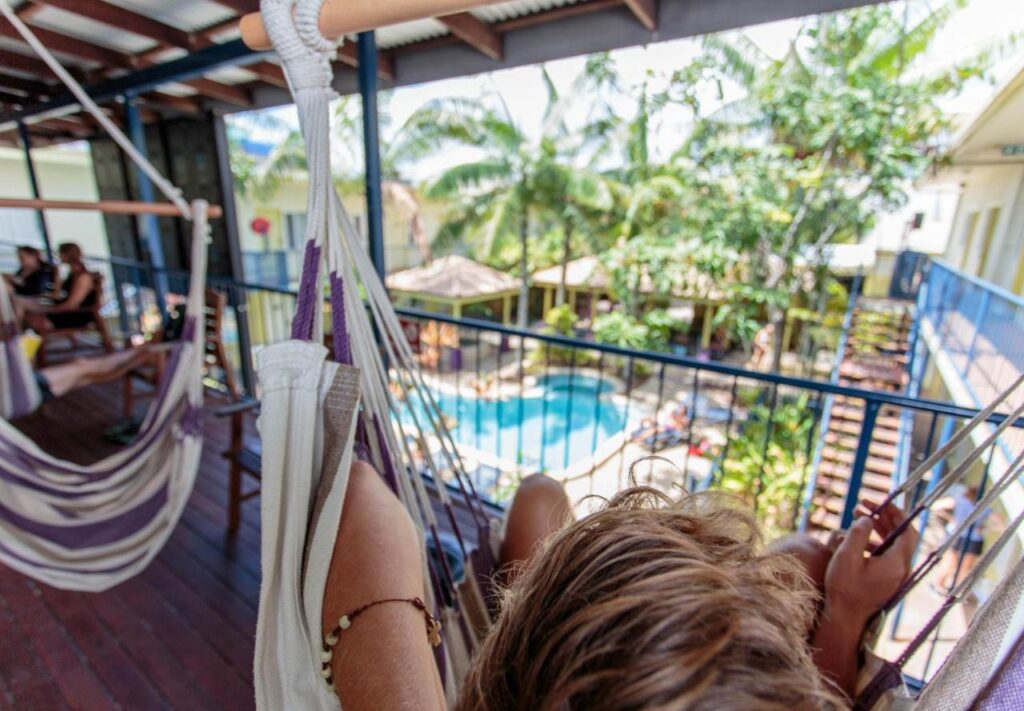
x=90, y=527
x=316, y=415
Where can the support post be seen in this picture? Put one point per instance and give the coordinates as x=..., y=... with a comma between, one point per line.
x=706, y=330
x=148, y=224
x=33, y=184
x=860, y=460
x=367, y=53
x=238, y=298
x=506, y=310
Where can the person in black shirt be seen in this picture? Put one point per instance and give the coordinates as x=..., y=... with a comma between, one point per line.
x=35, y=277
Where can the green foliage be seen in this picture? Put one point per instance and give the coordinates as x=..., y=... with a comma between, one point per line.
x=561, y=320
x=771, y=479
x=650, y=332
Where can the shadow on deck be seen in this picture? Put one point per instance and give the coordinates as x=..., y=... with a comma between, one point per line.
x=178, y=635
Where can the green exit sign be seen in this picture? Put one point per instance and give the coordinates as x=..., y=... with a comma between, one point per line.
x=1013, y=149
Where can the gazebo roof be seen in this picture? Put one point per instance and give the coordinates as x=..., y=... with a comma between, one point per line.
x=453, y=278
x=589, y=273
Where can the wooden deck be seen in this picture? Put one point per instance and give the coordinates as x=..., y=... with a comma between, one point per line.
x=179, y=635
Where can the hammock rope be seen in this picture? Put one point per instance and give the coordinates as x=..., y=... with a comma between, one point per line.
x=304, y=481
x=89, y=528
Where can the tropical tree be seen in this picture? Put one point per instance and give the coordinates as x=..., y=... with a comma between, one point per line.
x=824, y=139
x=517, y=183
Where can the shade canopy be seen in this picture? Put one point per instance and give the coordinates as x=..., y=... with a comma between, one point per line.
x=588, y=273
x=453, y=278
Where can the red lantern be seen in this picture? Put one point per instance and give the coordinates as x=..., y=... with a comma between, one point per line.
x=260, y=225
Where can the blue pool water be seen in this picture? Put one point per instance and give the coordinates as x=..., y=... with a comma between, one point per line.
x=567, y=423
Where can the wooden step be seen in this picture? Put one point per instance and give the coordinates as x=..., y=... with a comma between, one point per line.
x=856, y=414
x=835, y=488
x=879, y=434
x=840, y=472
x=879, y=465
x=878, y=449
x=824, y=519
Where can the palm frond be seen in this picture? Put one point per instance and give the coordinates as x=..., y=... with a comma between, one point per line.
x=473, y=176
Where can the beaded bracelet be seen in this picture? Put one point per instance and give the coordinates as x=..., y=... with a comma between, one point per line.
x=345, y=621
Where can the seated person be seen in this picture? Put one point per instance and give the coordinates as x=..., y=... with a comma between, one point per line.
x=34, y=276
x=72, y=297
x=647, y=603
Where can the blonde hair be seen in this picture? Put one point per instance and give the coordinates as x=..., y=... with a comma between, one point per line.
x=652, y=603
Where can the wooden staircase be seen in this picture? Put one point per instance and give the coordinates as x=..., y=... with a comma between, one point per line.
x=875, y=358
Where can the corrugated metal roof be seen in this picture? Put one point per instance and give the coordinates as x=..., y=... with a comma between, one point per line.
x=517, y=8
x=409, y=32
x=83, y=28
x=184, y=14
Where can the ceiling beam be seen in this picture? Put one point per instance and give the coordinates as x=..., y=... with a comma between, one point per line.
x=28, y=86
x=70, y=46
x=124, y=20
x=476, y=33
x=24, y=63
x=227, y=93
x=269, y=73
x=242, y=7
x=385, y=65
x=646, y=12
x=183, y=104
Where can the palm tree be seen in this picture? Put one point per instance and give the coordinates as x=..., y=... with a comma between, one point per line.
x=500, y=197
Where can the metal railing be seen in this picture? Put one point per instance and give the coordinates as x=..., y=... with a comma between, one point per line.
x=979, y=326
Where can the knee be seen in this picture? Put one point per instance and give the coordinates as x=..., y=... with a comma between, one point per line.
x=812, y=555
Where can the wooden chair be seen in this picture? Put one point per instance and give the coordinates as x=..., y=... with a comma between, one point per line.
x=215, y=356
x=244, y=455
x=95, y=323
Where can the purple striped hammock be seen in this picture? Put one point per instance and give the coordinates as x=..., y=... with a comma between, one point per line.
x=317, y=415
x=90, y=527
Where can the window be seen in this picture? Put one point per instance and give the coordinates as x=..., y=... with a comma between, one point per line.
x=972, y=225
x=986, y=241
x=294, y=230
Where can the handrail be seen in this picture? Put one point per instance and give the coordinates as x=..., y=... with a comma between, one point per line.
x=828, y=388
x=981, y=283
x=883, y=398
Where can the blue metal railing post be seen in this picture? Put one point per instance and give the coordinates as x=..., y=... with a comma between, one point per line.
x=149, y=226
x=367, y=54
x=33, y=184
x=978, y=321
x=867, y=430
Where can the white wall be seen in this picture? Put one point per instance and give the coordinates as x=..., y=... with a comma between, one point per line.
x=985, y=188
x=64, y=173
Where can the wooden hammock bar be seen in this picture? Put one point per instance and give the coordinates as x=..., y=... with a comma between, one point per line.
x=344, y=17
x=117, y=207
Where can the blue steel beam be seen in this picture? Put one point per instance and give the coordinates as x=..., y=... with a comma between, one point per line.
x=33, y=184
x=149, y=226
x=371, y=148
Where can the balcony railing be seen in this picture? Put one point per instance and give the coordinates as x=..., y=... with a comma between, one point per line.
x=978, y=326
x=590, y=414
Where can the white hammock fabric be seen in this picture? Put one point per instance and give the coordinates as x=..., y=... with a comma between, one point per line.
x=91, y=527
x=20, y=394
x=304, y=471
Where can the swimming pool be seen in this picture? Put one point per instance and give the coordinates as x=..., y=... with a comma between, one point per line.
x=565, y=422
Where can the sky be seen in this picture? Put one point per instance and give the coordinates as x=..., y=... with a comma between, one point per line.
x=979, y=24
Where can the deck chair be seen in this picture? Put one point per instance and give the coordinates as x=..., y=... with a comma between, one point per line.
x=215, y=357
x=96, y=324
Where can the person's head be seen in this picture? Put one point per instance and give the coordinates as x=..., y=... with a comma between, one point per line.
x=29, y=258
x=651, y=603
x=70, y=253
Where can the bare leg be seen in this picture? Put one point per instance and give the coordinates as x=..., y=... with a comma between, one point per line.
x=77, y=373
x=37, y=322
x=966, y=566
x=944, y=577
x=813, y=555
x=539, y=509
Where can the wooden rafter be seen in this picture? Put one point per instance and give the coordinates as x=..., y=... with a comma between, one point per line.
x=348, y=56
x=70, y=46
x=269, y=73
x=124, y=20
x=227, y=93
x=476, y=33
x=28, y=86
x=646, y=12
x=24, y=63
x=183, y=104
x=241, y=7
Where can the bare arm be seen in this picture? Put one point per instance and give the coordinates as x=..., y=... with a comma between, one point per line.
x=81, y=287
x=856, y=586
x=383, y=660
